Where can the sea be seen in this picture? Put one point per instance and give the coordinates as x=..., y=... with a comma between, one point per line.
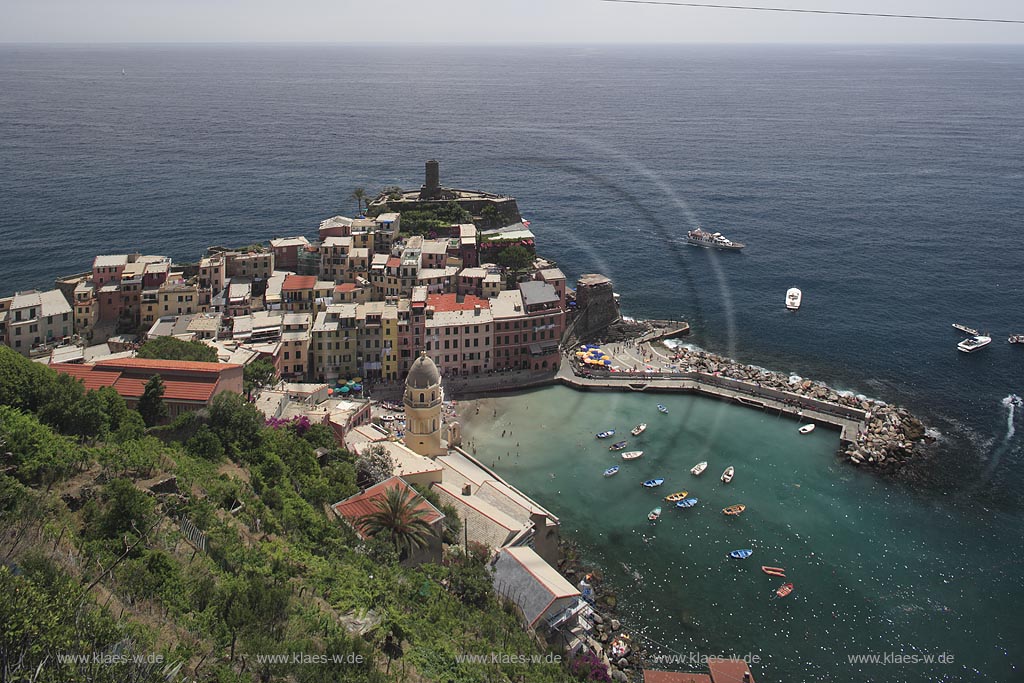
x=886, y=182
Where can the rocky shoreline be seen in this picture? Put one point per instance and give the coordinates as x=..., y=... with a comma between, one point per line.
x=890, y=437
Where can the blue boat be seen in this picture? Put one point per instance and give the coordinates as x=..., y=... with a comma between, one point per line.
x=688, y=503
x=617, y=446
x=662, y=409
x=651, y=483
x=741, y=554
x=605, y=435
x=611, y=471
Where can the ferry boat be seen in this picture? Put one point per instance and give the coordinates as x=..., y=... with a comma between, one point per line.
x=639, y=429
x=793, y=298
x=699, y=468
x=972, y=344
x=1016, y=339
x=728, y=474
x=712, y=240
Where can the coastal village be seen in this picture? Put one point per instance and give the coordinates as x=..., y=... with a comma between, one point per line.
x=375, y=325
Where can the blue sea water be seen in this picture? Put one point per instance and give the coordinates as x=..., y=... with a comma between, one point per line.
x=886, y=182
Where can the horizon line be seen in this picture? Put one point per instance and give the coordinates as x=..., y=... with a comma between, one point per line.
x=509, y=43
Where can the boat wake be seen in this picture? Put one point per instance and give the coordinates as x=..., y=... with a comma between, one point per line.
x=1012, y=402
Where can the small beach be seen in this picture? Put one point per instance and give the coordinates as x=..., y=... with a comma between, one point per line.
x=876, y=567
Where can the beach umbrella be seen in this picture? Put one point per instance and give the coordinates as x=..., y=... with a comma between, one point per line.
x=607, y=362
x=357, y=387
x=330, y=392
x=357, y=380
x=344, y=390
x=584, y=347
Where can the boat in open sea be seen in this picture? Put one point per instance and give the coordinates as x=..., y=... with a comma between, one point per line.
x=976, y=343
x=734, y=510
x=1016, y=339
x=966, y=330
x=712, y=240
x=677, y=496
x=632, y=455
x=639, y=429
x=699, y=468
x=793, y=298
x=618, y=446
x=728, y=474
x=611, y=471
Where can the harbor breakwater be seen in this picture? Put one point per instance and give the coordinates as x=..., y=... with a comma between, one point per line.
x=873, y=433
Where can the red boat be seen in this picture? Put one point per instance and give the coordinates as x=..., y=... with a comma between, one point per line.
x=774, y=571
x=784, y=590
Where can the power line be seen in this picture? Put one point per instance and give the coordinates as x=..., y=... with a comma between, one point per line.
x=817, y=11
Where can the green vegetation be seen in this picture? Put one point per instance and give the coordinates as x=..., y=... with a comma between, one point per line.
x=93, y=561
x=151, y=403
x=359, y=194
x=397, y=519
x=433, y=220
x=172, y=348
x=259, y=374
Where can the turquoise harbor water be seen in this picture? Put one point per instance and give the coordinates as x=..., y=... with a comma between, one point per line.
x=877, y=568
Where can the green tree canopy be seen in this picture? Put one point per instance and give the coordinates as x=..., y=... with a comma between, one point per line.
x=172, y=348
x=259, y=374
x=151, y=404
x=516, y=258
x=398, y=518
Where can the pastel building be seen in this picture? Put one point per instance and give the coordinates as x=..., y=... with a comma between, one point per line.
x=29, y=319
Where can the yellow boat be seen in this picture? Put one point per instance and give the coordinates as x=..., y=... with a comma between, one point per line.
x=734, y=509
x=672, y=498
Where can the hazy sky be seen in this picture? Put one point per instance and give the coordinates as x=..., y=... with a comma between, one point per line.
x=474, y=21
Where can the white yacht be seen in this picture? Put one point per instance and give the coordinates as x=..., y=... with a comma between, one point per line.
x=972, y=344
x=793, y=298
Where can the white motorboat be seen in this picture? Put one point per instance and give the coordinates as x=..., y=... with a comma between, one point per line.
x=1016, y=339
x=632, y=455
x=793, y=298
x=639, y=429
x=807, y=429
x=972, y=344
x=699, y=468
x=727, y=475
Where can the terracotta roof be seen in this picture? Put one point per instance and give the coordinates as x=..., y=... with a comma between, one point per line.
x=729, y=671
x=295, y=283
x=394, y=262
x=88, y=374
x=354, y=508
x=450, y=302
x=345, y=287
x=174, y=390
x=655, y=676
x=165, y=365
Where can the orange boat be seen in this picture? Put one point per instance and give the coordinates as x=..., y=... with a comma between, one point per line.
x=734, y=509
x=774, y=571
x=784, y=590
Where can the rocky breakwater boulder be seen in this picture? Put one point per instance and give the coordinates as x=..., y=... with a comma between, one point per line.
x=891, y=434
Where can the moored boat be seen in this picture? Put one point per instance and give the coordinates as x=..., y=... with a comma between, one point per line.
x=774, y=571
x=654, y=514
x=728, y=474
x=688, y=503
x=618, y=446
x=966, y=330
x=662, y=409
x=807, y=429
x=976, y=343
x=611, y=471
x=639, y=429
x=741, y=554
x=677, y=496
x=632, y=455
x=653, y=483
x=699, y=468
x=784, y=590
x=605, y=435
x=1016, y=339
x=793, y=298
x=734, y=510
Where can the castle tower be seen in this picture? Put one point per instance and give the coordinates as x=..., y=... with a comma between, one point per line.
x=432, y=185
x=422, y=400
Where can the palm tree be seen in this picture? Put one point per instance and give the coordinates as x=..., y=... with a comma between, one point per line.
x=359, y=194
x=399, y=518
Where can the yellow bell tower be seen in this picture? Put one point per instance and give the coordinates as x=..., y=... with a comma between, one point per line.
x=422, y=399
